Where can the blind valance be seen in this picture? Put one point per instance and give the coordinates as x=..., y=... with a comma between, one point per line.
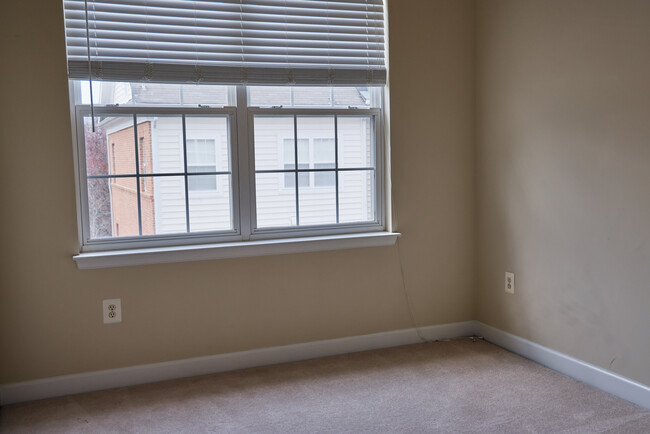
x=301, y=42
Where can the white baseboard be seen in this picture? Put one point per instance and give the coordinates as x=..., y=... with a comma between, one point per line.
x=113, y=378
x=109, y=379
x=592, y=375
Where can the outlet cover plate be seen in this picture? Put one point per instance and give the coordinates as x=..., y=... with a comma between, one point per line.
x=112, y=310
x=509, y=284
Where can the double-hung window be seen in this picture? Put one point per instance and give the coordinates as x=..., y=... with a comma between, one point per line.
x=214, y=122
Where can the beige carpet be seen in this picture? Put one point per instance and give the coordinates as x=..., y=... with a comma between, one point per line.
x=447, y=387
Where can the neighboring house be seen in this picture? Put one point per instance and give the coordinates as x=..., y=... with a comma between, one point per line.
x=159, y=142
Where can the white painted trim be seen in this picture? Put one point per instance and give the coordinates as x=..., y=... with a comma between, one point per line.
x=122, y=377
x=113, y=378
x=587, y=373
x=200, y=252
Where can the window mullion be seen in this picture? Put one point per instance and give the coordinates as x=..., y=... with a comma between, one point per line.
x=295, y=157
x=336, y=164
x=81, y=170
x=187, y=189
x=137, y=171
x=246, y=164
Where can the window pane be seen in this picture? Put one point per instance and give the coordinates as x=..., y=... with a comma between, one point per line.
x=311, y=128
x=208, y=142
x=99, y=208
x=309, y=96
x=160, y=144
x=313, y=96
x=303, y=152
x=324, y=155
x=122, y=93
x=202, y=182
x=353, y=96
x=270, y=135
x=110, y=150
x=269, y=95
x=163, y=209
x=201, y=152
x=210, y=208
x=356, y=141
x=276, y=206
x=205, y=94
x=148, y=205
x=124, y=206
x=324, y=179
x=357, y=196
x=303, y=177
x=318, y=205
x=290, y=149
x=113, y=207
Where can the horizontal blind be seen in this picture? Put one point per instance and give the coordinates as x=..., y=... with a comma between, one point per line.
x=302, y=42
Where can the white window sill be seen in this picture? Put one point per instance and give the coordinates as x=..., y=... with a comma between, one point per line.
x=201, y=252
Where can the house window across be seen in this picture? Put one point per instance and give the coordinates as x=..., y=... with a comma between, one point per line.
x=316, y=154
x=201, y=158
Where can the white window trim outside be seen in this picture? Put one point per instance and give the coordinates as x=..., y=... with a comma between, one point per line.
x=243, y=240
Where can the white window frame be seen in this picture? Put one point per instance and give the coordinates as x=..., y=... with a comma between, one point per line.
x=240, y=121
x=315, y=230
x=143, y=241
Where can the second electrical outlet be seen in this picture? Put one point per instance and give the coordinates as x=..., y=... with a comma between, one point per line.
x=510, y=283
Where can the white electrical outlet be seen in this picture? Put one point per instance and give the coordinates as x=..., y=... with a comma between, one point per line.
x=510, y=283
x=112, y=310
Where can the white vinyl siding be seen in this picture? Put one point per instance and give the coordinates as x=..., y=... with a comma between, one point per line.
x=209, y=210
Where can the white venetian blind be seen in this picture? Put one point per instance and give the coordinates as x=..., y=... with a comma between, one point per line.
x=309, y=42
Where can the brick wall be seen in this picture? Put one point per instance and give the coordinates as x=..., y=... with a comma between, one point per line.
x=123, y=190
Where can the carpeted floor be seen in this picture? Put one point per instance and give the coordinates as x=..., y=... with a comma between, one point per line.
x=443, y=387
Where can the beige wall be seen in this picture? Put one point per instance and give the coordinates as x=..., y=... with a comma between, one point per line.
x=50, y=312
x=563, y=155
x=562, y=158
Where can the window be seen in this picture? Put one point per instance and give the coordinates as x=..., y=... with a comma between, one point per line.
x=252, y=149
x=201, y=158
x=315, y=152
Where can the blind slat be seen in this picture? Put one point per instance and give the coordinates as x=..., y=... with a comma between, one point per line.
x=336, y=42
x=221, y=11
x=173, y=24
x=77, y=37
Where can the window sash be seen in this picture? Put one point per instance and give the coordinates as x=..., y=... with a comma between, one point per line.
x=89, y=245
x=242, y=181
x=281, y=232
